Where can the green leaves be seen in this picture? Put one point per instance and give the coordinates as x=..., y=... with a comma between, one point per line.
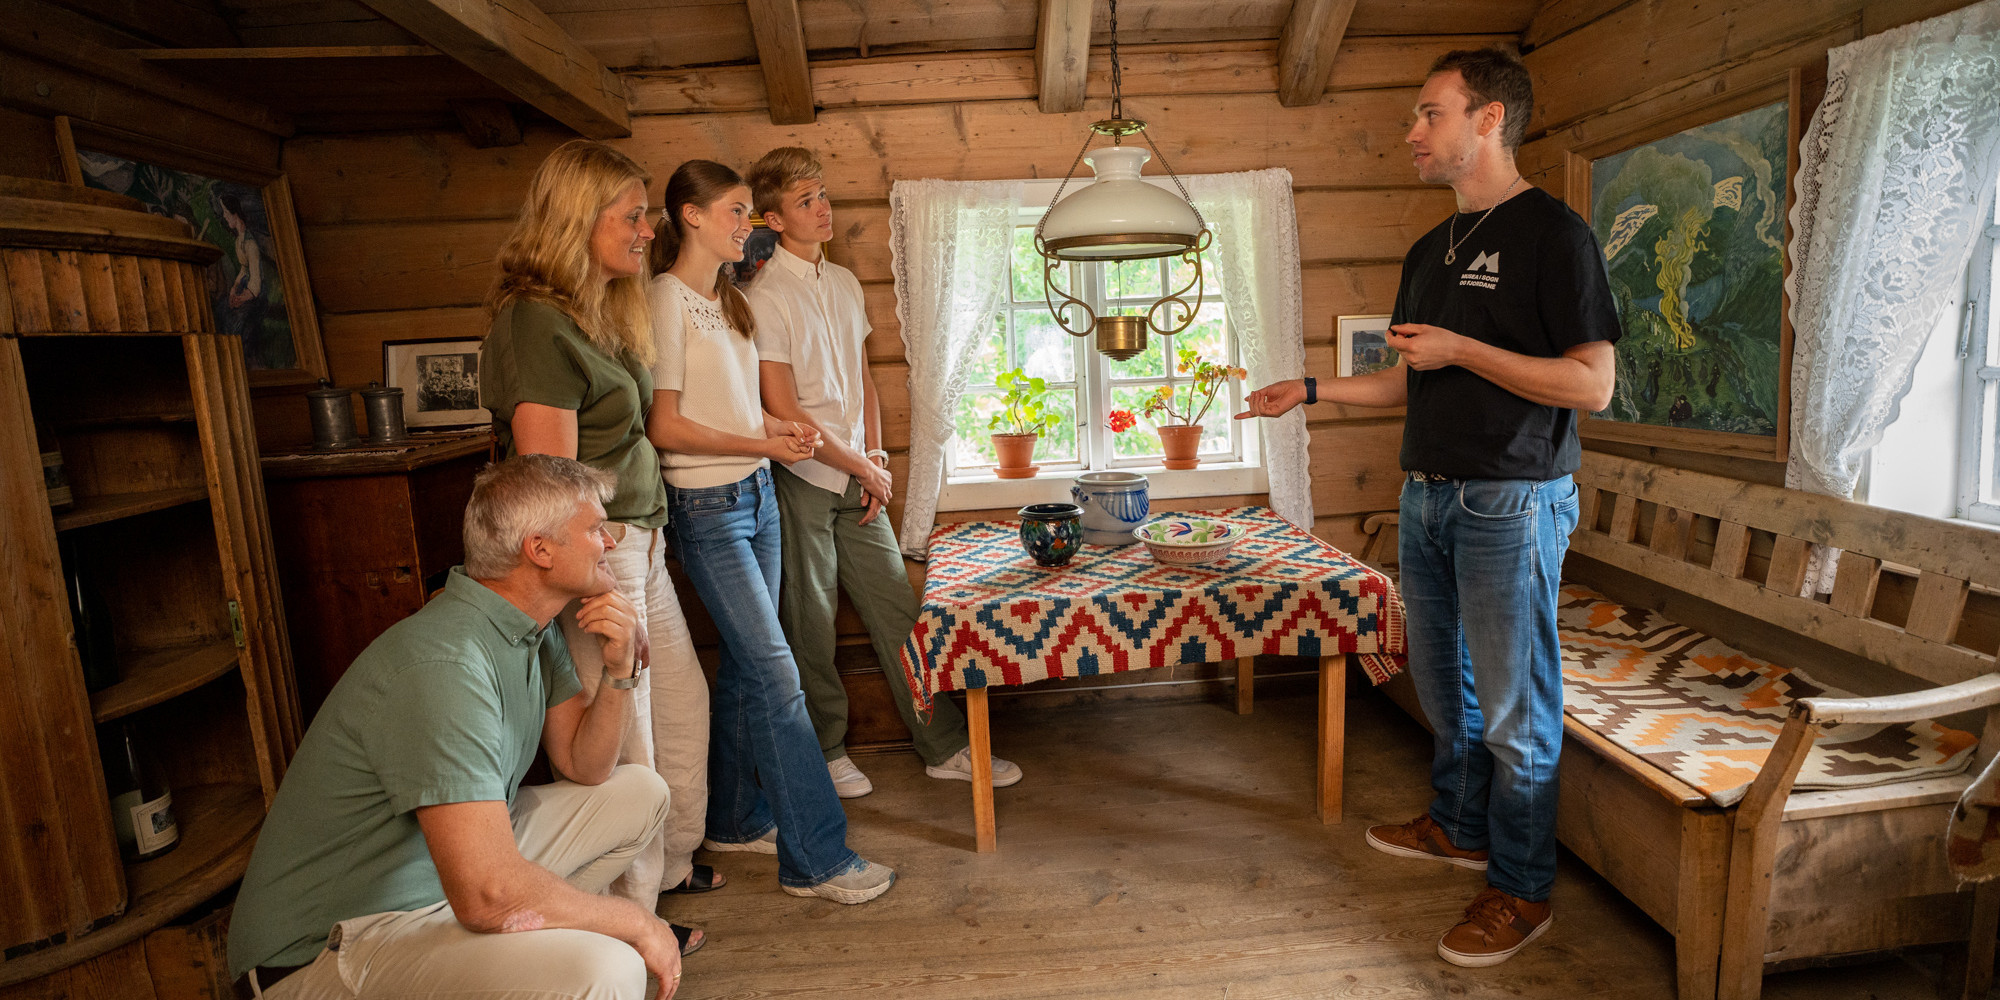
x=1027, y=406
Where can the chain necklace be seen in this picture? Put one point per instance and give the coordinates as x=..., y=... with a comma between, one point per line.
x=1451, y=251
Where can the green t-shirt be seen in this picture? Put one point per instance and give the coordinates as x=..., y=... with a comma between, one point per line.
x=446, y=706
x=536, y=354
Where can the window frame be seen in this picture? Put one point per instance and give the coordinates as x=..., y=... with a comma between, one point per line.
x=1979, y=449
x=1239, y=470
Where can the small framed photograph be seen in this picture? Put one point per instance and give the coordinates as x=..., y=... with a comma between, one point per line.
x=439, y=379
x=1364, y=344
x=757, y=250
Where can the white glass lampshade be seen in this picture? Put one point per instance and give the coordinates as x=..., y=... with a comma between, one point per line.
x=1119, y=216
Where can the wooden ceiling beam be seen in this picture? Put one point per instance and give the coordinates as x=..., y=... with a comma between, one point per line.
x=1062, y=56
x=781, y=51
x=285, y=52
x=514, y=44
x=1307, y=48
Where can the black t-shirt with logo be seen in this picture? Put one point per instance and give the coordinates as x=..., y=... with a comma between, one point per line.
x=1530, y=280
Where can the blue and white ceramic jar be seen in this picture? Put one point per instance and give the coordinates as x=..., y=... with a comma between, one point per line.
x=1051, y=532
x=1113, y=504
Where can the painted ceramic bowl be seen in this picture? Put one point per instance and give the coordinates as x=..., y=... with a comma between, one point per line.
x=1051, y=532
x=1188, y=541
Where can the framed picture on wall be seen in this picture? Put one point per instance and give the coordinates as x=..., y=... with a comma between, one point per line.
x=1363, y=344
x=258, y=288
x=440, y=382
x=1690, y=211
x=757, y=250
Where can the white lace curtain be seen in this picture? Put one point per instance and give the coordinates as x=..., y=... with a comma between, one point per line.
x=1896, y=175
x=1256, y=258
x=947, y=241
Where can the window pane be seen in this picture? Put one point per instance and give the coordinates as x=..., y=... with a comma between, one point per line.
x=1993, y=309
x=1027, y=267
x=1217, y=425
x=1140, y=441
x=1059, y=444
x=991, y=358
x=1990, y=482
x=1046, y=351
x=1132, y=279
x=1205, y=336
x=972, y=445
x=1180, y=272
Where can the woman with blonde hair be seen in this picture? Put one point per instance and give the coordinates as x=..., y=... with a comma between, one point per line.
x=772, y=794
x=566, y=371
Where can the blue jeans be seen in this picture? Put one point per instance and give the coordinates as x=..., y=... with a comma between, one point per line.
x=1481, y=567
x=764, y=763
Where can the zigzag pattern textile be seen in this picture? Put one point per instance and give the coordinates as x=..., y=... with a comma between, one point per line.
x=1709, y=714
x=991, y=616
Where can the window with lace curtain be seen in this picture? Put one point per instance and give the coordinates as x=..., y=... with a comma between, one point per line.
x=1088, y=385
x=1979, y=465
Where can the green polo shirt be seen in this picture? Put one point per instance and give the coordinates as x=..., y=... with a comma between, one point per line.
x=446, y=706
x=536, y=354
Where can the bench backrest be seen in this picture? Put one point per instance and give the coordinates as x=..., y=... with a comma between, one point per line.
x=1746, y=546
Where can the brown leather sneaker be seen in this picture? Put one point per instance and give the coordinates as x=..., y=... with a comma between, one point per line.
x=1423, y=838
x=1496, y=926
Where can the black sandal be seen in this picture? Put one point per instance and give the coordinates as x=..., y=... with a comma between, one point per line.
x=691, y=938
x=700, y=878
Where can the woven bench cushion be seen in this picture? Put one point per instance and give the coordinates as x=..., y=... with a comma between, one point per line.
x=1708, y=714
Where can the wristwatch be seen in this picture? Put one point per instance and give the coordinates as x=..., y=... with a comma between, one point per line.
x=1312, y=389
x=622, y=683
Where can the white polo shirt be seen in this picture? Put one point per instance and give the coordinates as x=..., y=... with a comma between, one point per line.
x=812, y=317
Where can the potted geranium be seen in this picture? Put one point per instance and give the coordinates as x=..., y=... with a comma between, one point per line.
x=1179, y=422
x=1025, y=415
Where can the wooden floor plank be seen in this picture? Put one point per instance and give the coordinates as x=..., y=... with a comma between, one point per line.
x=1170, y=850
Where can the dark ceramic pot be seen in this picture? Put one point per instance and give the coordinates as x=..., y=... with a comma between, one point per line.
x=1051, y=532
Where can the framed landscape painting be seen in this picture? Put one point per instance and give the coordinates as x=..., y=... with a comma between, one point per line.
x=258, y=287
x=1690, y=212
x=1363, y=344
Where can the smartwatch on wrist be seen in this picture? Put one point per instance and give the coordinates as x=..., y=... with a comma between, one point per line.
x=622, y=683
x=1312, y=389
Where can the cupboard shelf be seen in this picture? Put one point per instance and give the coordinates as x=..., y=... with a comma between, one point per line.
x=154, y=677
x=126, y=420
x=219, y=826
x=112, y=506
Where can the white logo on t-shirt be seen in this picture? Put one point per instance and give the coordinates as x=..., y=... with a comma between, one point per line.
x=1489, y=264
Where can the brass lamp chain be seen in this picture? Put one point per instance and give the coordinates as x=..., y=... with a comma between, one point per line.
x=1117, y=93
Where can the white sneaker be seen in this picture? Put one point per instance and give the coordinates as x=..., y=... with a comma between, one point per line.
x=848, y=781
x=859, y=884
x=766, y=844
x=1005, y=772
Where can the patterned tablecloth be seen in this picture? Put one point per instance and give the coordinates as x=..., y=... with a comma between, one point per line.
x=991, y=616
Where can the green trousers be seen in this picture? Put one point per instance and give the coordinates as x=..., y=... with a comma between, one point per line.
x=826, y=550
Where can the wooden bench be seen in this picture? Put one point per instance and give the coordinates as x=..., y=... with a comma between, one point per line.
x=1787, y=879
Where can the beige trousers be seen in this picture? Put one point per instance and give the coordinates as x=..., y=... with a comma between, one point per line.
x=669, y=731
x=588, y=834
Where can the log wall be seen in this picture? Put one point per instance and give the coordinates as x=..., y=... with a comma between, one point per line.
x=400, y=230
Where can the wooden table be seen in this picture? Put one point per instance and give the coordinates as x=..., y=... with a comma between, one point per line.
x=991, y=617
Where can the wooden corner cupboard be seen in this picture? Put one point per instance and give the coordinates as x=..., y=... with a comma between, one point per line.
x=108, y=344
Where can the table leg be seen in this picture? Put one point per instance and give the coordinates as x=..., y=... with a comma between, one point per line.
x=985, y=837
x=1245, y=691
x=1332, y=733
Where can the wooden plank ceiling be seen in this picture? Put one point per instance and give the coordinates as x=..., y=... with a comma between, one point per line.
x=364, y=65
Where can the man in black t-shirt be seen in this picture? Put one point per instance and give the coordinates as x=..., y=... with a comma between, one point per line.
x=1505, y=325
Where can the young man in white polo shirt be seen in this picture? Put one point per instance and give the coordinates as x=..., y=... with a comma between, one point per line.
x=813, y=367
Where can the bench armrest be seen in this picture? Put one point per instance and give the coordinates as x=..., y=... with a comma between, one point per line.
x=1979, y=692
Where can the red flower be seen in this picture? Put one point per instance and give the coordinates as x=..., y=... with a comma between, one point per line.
x=1122, y=420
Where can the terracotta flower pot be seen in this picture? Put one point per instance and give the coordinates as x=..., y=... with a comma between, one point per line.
x=1181, y=442
x=1016, y=454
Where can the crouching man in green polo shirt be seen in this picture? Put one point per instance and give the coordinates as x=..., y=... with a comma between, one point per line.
x=402, y=857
